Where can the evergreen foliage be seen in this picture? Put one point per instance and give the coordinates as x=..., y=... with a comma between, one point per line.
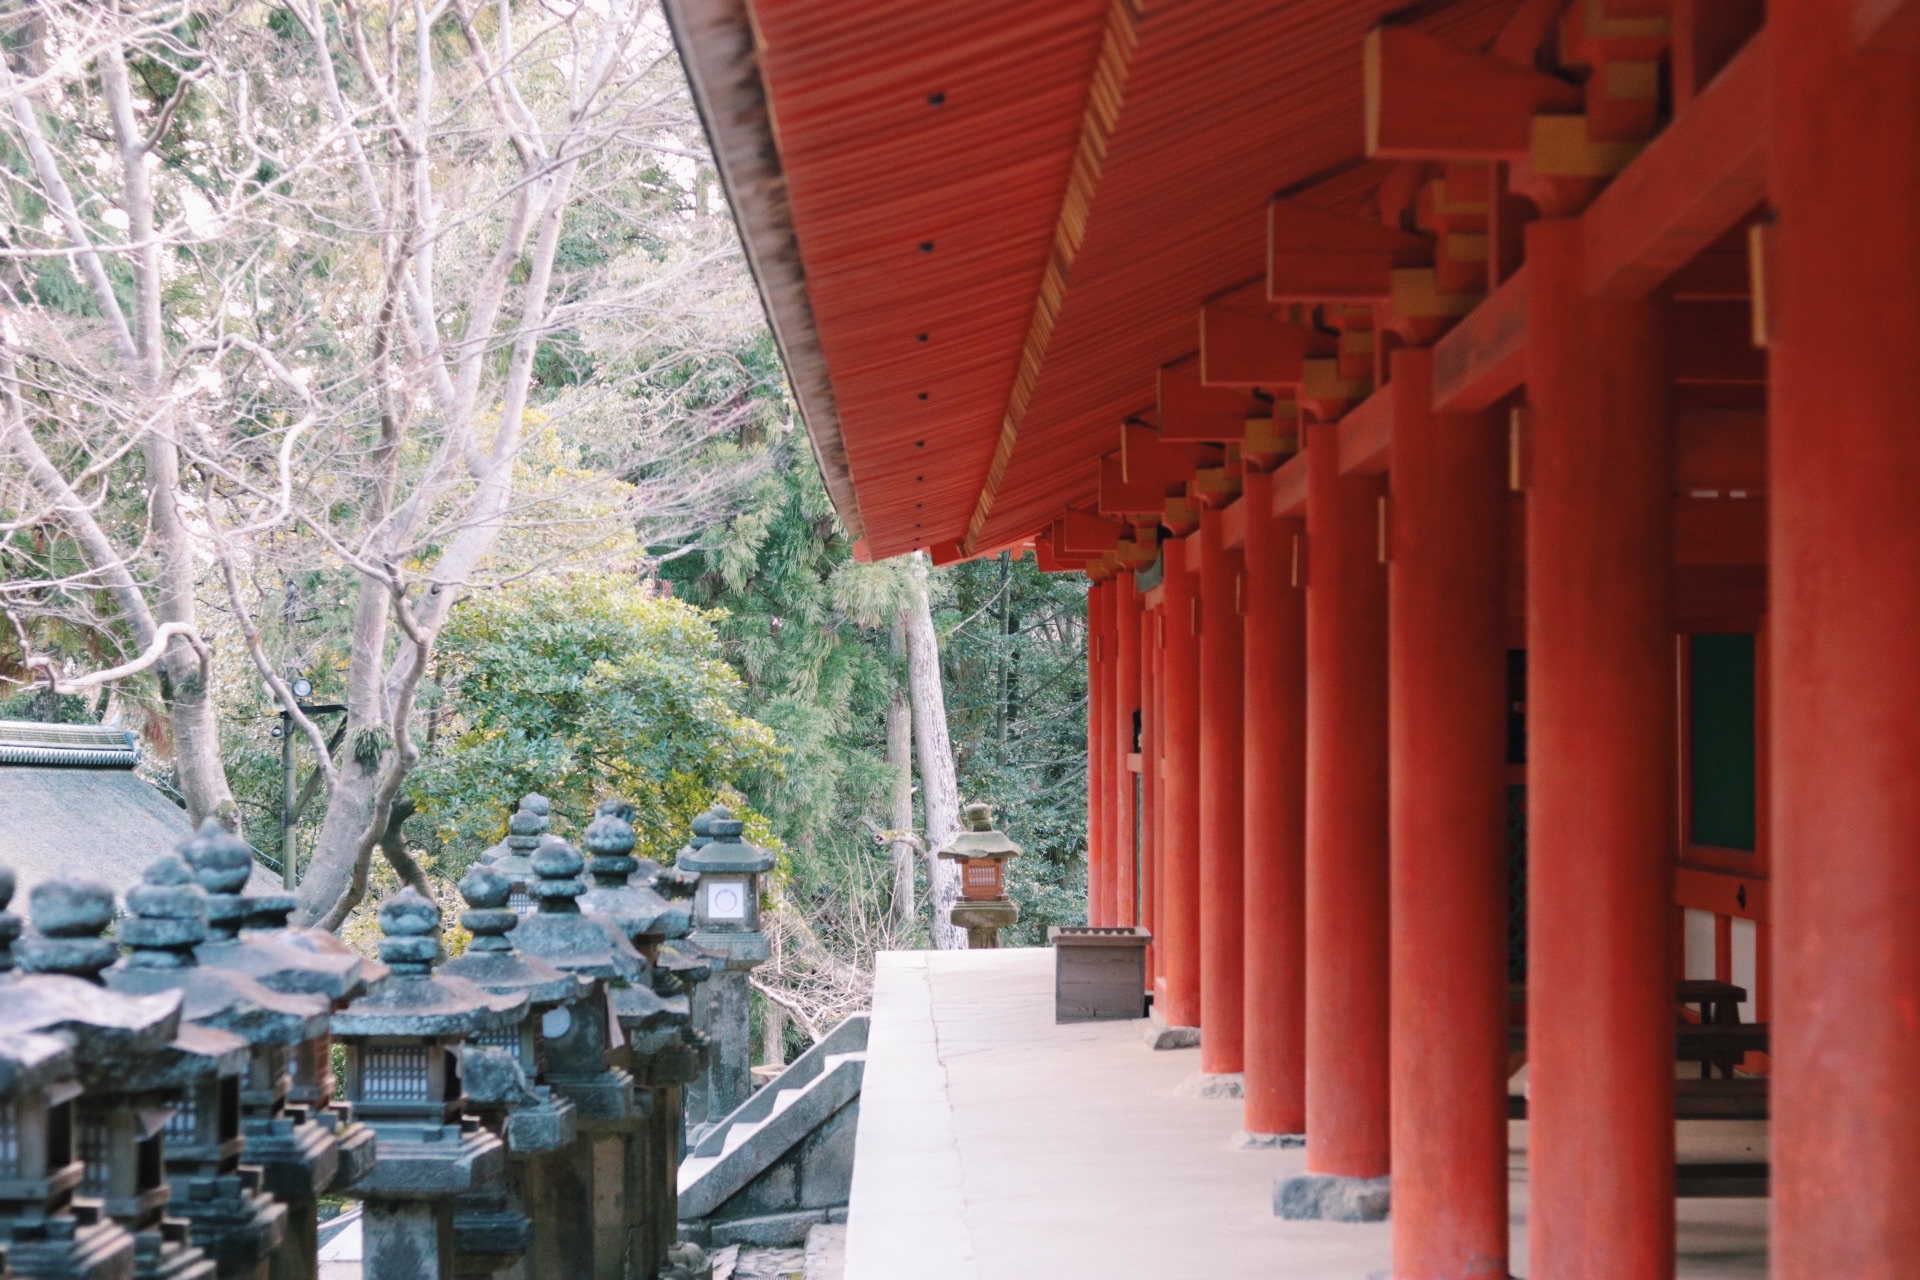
x=811, y=632
x=581, y=687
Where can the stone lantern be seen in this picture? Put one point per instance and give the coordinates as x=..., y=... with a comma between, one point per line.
x=39, y=1169
x=513, y=857
x=39, y=1161
x=505, y=1073
x=232, y=1220
x=586, y=1060
x=655, y=1020
x=403, y=1078
x=140, y=1065
x=303, y=1141
x=983, y=908
x=726, y=925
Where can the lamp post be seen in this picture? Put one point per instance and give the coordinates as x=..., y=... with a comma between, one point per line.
x=290, y=803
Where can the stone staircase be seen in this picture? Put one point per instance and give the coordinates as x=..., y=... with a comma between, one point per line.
x=782, y=1162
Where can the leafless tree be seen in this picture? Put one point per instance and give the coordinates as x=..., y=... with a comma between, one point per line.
x=383, y=295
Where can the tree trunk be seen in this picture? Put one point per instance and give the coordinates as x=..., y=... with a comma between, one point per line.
x=198, y=766
x=773, y=1034
x=900, y=813
x=939, y=791
x=336, y=874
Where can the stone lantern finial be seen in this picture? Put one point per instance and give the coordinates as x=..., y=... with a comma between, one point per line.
x=513, y=857
x=168, y=916
x=525, y=826
x=222, y=863
x=409, y=925
x=491, y=960
x=558, y=864
x=68, y=915
x=635, y=908
x=9, y=922
x=703, y=826
x=487, y=917
x=610, y=839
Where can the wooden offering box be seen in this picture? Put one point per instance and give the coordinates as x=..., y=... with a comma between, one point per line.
x=1099, y=973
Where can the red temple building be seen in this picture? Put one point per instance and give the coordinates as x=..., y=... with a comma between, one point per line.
x=1491, y=432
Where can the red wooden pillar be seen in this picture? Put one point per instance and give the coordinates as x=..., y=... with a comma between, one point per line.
x=1099, y=602
x=1150, y=779
x=1222, y=910
x=1177, y=996
x=1601, y=771
x=1447, y=731
x=1275, y=829
x=1126, y=705
x=1347, y=1129
x=1843, y=288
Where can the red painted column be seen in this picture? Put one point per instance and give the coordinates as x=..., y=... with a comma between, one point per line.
x=1222, y=907
x=1347, y=1129
x=1601, y=776
x=1843, y=284
x=1447, y=744
x=1274, y=832
x=1149, y=778
x=1126, y=704
x=1177, y=996
x=1099, y=599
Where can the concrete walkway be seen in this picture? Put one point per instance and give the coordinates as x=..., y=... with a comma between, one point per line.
x=995, y=1145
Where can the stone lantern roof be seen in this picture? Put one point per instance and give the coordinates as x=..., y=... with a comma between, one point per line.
x=415, y=1001
x=29, y=1060
x=248, y=933
x=560, y=933
x=978, y=838
x=718, y=848
x=166, y=924
x=491, y=961
x=636, y=909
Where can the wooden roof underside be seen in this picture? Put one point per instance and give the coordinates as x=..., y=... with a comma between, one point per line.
x=1059, y=184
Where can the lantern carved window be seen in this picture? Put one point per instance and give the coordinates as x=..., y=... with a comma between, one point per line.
x=393, y=1073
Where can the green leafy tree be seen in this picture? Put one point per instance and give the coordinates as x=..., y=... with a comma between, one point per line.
x=581, y=687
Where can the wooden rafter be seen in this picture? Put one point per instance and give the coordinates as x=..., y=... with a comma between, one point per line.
x=1104, y=97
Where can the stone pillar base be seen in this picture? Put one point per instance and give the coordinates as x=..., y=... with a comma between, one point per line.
x=1162, y=1036
x=1331, y=1197
x=1211, y=1084
x=1245, y=1141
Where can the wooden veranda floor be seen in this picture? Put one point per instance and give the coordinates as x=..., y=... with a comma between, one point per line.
x=995, y=1145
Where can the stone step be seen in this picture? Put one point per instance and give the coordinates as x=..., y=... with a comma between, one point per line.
x=850, y=1037
x=773, y=1121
